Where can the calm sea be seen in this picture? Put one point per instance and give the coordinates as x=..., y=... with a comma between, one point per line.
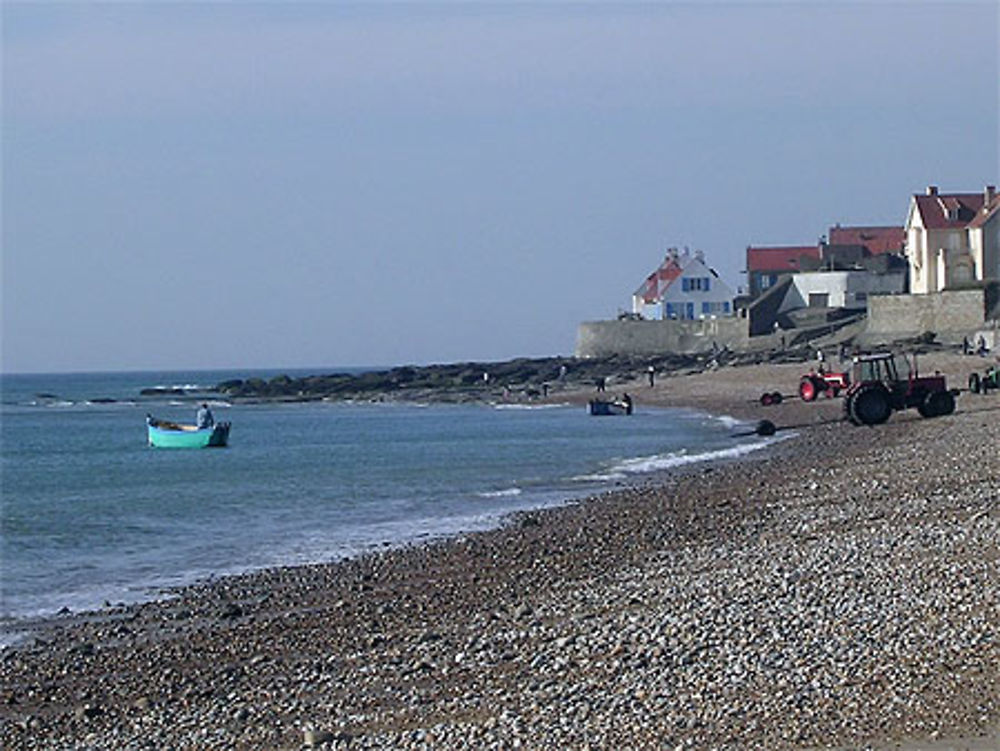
x=91, y=514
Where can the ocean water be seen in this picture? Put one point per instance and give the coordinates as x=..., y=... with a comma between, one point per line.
x=90, y=514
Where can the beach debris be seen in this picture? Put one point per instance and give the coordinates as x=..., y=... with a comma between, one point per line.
x=765, y=428
x=313, y=738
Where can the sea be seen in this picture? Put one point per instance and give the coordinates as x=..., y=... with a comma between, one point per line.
x=92, y=516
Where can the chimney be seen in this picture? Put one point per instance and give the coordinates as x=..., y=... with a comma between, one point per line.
x=988, y=195
x=932, y=190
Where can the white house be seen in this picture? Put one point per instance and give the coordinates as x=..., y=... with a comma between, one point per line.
x=839, y=289
x=952, y=239
x=683, y=287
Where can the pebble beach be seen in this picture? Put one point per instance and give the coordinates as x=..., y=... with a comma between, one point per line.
x=840, y=591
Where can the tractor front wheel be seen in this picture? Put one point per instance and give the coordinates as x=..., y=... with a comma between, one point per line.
x=937, y=403
x=870, y=405
x=808, y=389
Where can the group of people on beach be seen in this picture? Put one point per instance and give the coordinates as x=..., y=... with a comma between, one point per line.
x=981, y=349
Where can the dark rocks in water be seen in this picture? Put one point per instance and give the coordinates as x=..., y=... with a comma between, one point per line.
x=163, y=391
x=102, y=400
x=459, y=381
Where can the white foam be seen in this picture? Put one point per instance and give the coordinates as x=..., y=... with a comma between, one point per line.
x=507, y=492
x=529, y=406
x=659, y=462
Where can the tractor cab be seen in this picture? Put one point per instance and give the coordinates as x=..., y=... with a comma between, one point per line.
x=880, y=368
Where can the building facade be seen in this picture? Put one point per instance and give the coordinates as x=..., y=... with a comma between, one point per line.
x=952, y=239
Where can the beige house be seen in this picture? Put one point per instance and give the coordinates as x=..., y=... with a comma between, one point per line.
x=952, y=239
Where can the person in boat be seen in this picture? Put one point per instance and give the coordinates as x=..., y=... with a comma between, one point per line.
x=204, y=418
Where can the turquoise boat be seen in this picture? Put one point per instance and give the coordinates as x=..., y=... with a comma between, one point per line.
x=171, y=435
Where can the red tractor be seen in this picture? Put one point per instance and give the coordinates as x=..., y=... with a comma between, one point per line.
x=877, y=389
x=812, y=384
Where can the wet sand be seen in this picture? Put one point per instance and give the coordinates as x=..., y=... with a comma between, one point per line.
x=841, y=591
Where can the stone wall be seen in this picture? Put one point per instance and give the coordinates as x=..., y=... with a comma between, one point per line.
x=951, y=315
x=606, y=338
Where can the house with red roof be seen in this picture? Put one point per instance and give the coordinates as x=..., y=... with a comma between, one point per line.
x=952, y=239
x=875, y=240
x=684, y=287
x=765, y=265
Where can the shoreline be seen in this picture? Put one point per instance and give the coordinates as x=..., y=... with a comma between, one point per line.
x=648, y=613
x=16, y=630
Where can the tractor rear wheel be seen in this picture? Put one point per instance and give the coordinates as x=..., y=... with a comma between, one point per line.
x=808, y=389
x=870, y=405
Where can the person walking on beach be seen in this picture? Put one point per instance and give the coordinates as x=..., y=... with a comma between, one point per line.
x=204, y=418
x=601, y=382
x=651, y=372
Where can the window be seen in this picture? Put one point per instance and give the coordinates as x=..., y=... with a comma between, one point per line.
x=714, y=308
x=696, y=284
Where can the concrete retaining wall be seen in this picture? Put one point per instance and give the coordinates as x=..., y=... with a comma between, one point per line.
x=606, y=338
x=951, y=315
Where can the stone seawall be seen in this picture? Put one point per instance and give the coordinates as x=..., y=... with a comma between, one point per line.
x=950, y=315
x=607, y=338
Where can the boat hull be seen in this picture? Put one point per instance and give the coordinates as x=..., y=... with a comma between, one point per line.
x=172, y=436
x=601, y=408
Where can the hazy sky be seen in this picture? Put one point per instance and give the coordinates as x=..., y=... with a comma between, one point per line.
x=236, y=185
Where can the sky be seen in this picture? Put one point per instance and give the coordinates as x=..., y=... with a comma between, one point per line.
x=312, y=185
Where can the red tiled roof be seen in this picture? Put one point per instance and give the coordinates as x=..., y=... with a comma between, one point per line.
x=933, y=209
x=655, y=285
x=987, y=213
x=878, y=240
x=779, y=258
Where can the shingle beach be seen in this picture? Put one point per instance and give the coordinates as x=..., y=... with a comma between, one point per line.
x=840, y=590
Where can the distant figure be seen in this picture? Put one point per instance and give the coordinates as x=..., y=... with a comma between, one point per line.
x=562, y=373
x=486, y=379
x=601, y=382
x=651, y=372
x=628, y=403
x=545, y=388
x=966, y=346
x=981, y=348
x=820, y=357
x=204, y=418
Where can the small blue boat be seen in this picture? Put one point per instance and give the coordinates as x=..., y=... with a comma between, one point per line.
x=172, y=435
